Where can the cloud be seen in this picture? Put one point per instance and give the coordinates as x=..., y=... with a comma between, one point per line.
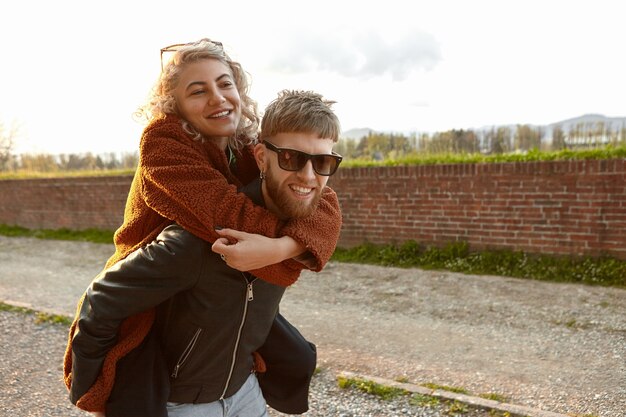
x=364, y=55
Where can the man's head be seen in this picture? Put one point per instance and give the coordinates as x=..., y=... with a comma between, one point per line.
x=295, y=156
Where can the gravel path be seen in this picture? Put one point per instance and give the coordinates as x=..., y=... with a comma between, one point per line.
x=31, y=386
x=556, y=347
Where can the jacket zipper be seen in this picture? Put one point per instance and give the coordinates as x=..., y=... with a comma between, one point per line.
x=186, y=353
x=249, y=297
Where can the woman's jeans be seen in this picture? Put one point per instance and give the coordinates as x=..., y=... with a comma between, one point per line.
x=247, y=402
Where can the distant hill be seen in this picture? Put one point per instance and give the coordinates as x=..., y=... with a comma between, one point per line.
x=356, y=133
x=587, y=120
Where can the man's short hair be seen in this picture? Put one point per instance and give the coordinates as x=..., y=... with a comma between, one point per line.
x=300, y=112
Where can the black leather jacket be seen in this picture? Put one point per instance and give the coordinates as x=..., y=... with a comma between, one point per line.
x=211, y=317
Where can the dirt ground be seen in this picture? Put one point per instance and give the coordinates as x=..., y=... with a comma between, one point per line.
x=557, y=347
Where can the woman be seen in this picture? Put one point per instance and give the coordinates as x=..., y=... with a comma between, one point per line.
x=194, y=154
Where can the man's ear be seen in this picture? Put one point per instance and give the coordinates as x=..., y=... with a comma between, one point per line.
x=259, y=155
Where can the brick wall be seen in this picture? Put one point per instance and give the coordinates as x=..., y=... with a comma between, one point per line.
x=74, y=203
x=564, y=207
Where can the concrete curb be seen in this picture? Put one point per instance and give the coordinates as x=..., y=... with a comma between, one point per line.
x=453, y=396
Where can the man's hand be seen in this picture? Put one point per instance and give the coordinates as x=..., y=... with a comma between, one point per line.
x=247, y=251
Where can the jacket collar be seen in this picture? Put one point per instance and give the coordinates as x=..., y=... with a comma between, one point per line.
x=254, y=193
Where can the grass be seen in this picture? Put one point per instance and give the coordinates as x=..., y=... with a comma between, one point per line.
x=40, y=317
x=86, y=235
x=421, y=400
x=454, y=257
x=370, y=387
x=452, y=407
x=457, y=257
x=446, y=388
x=498, y=413
x=28, y=174
x=494, y=397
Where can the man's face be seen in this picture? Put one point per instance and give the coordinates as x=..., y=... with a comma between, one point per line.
x=292, y=194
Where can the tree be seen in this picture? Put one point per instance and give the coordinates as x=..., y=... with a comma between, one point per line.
x=440, y=143
x=39, y=163
x=347, y=148
x=377, y=146
x=7, y=145
x=466, y=141
x=558, y=138
x=499, y=140
x=527, y=138
x=576, y=135
x=422, y=142
x=130, y=160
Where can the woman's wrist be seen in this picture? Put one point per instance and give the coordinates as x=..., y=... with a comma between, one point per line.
x=289, y=248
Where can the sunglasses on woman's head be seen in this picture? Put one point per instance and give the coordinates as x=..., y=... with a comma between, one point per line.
x=293, y=160
x=177, y=46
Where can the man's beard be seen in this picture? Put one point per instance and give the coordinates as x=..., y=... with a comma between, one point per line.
x=290, y=207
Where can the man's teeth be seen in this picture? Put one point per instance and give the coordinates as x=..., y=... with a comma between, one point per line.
x=301, y=190
x=222, y=114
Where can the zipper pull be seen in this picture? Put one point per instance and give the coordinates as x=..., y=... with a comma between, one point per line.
x=175, y=373
x=250, y=293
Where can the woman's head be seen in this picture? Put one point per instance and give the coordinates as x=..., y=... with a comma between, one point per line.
x=208, y=90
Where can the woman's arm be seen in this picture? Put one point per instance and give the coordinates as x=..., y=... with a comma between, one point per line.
x=189, y=184
x=247, y=251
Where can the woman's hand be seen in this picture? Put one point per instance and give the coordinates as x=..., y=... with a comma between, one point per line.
x=247, y=251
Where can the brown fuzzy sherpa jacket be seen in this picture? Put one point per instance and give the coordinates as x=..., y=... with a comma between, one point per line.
x=188, y=182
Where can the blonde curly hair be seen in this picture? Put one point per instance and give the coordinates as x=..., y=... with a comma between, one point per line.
x=162, y=102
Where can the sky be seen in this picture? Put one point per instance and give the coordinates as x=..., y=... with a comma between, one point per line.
x=73, y=72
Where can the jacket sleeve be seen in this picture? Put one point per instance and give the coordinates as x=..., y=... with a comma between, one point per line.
x=184, y=183
x=190, y=187
x=142, y=280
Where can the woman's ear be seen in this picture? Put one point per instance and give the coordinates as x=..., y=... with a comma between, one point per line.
x=259, y=155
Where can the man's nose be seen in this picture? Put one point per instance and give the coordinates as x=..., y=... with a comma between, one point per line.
x=307, y=172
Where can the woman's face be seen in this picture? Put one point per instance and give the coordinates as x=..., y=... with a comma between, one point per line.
x=207, y=97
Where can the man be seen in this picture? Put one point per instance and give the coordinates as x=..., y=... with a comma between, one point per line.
x=211, y=319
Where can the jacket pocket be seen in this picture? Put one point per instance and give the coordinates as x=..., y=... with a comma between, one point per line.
x=186, y=353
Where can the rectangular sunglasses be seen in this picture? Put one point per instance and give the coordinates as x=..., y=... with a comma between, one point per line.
x=294, y=160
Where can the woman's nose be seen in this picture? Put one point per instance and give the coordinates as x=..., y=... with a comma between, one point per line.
x=216, y=98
